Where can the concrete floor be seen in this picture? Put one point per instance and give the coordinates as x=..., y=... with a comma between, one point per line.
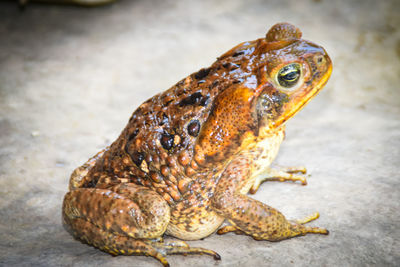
x=70, y=77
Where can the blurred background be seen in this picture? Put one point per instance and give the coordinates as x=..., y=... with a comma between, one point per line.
x=70, y=77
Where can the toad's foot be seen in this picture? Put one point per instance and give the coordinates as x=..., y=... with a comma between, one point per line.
x=313, y=230
x=181, y=247
x=282, y=174
x=297, y=224
x=157, y=249
x=229, y=229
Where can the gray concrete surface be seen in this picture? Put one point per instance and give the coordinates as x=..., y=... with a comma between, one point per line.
x=70, y=78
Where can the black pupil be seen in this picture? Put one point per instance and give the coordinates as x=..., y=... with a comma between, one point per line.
x=289, y=75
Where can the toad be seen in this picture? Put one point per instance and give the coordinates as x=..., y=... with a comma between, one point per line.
x=188, y=156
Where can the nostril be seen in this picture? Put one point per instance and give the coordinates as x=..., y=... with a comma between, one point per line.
x=320, y=59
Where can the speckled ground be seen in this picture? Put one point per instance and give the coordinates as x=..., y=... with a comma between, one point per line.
x=70, y=78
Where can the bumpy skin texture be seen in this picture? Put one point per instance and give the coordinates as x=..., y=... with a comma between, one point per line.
x=188, y=156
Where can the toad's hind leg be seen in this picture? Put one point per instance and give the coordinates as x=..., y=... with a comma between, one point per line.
x=123, y=245
x=280, y=174
x=125, y=219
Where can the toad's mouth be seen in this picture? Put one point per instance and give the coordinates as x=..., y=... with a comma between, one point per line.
x=296, y=105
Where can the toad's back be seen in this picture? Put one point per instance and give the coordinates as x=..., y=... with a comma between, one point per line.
x=156, y=148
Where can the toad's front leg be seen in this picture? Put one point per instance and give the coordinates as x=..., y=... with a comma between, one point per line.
x=248, y=215
x=280, y=174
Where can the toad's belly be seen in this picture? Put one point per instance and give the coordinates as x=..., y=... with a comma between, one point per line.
x=194, y=227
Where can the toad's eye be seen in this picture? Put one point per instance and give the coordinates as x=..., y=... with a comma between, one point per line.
x=289, y=75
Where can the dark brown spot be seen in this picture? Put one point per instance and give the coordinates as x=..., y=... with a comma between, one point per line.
x=237, y=53
x=202, y=73
x=204, y=100
x=92, y=183
x=167, y=140
x=193, y=128
x=137, y=158
x=191, y=100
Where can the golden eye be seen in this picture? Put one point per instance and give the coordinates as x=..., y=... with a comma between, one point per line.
x=289, y=75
